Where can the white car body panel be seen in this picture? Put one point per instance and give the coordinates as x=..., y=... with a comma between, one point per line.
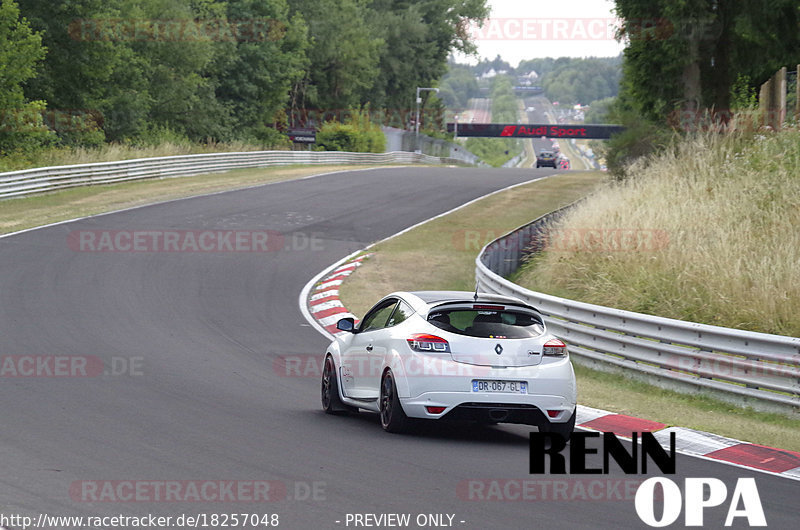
x=445, y=379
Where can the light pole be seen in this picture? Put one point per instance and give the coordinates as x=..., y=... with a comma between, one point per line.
x=416, y=123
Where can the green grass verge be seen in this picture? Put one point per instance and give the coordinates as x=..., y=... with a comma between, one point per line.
x=620, y=394
x=441, y=255
x=445, y=248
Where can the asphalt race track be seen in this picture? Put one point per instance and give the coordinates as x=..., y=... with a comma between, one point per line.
x=203, y=396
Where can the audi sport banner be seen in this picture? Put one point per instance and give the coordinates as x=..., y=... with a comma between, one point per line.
x=498, y=130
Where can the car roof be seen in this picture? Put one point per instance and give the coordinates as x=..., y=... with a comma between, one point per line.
x=432, y=298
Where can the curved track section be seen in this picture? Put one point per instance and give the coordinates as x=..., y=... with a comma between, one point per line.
x=205, y=392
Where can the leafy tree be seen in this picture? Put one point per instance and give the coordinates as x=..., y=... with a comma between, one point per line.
x=85, y=71
x=497, y=64
x=21, y=50
x=418, y=36
x=458, y=86
x=542, y=66
x=599, y=110
x=256, y=74
x=582, y=80
x=693, y=57
x=147, y=71
x=176, y=60
x=356, y=134
x=343, y=55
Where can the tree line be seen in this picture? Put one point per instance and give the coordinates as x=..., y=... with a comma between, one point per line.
x=692, y=64
x=85, y=72
x=568, y=80
x=691, y=55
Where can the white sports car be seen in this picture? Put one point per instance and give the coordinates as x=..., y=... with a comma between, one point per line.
x=451, y=355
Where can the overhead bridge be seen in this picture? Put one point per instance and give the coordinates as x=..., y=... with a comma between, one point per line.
x=534, y=130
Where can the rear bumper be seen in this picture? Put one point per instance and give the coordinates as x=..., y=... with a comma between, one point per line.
x=551, y=397
x=497, y=413
x=529, y=409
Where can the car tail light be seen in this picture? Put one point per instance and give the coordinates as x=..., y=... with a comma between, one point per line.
x=435, y=410
x=425, y=343
x=553, y=413
x=554, y=348
x=489, y=307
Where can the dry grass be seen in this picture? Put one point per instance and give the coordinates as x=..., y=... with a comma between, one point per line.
x=725, y=212
x=37, y=210
x=441, y=254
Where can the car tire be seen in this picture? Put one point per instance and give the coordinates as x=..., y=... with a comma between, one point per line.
x=331, y=402
x=393, y=417
x=562, y=429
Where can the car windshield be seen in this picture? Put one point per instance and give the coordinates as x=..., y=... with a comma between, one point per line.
x=492, y=324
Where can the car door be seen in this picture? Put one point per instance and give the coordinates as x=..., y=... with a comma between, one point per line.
x=362, y=360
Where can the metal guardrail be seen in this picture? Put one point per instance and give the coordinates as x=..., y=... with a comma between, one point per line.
x=402, y=140
x=748, y=368
x=30, y=181
x=514, y=162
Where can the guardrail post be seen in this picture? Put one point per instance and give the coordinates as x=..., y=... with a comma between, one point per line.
x=772, y=100
x=797, y=97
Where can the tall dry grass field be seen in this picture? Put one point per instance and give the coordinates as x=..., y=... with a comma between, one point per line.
x=709, y=232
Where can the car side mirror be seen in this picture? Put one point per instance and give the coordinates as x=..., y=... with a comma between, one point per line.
x=346, y=324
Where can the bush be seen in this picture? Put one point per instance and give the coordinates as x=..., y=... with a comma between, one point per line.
x=78, y=130
x=358, y=135
x=270, y=138
x=640, y=138
x=334, y=136
x=155, y=135
x=23, y=130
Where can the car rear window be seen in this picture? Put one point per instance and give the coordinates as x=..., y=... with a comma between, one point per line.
x=492, y=324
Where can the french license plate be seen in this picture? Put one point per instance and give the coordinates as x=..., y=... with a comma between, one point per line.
x=507, y=387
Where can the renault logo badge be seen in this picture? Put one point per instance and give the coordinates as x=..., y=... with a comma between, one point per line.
x=498, y=349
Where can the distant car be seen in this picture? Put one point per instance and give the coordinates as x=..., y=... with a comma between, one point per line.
x=545, y=159
x=563, y=162
x=529, y=109
x=451, y=355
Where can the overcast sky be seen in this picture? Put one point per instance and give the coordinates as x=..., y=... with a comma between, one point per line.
x=525, y=29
